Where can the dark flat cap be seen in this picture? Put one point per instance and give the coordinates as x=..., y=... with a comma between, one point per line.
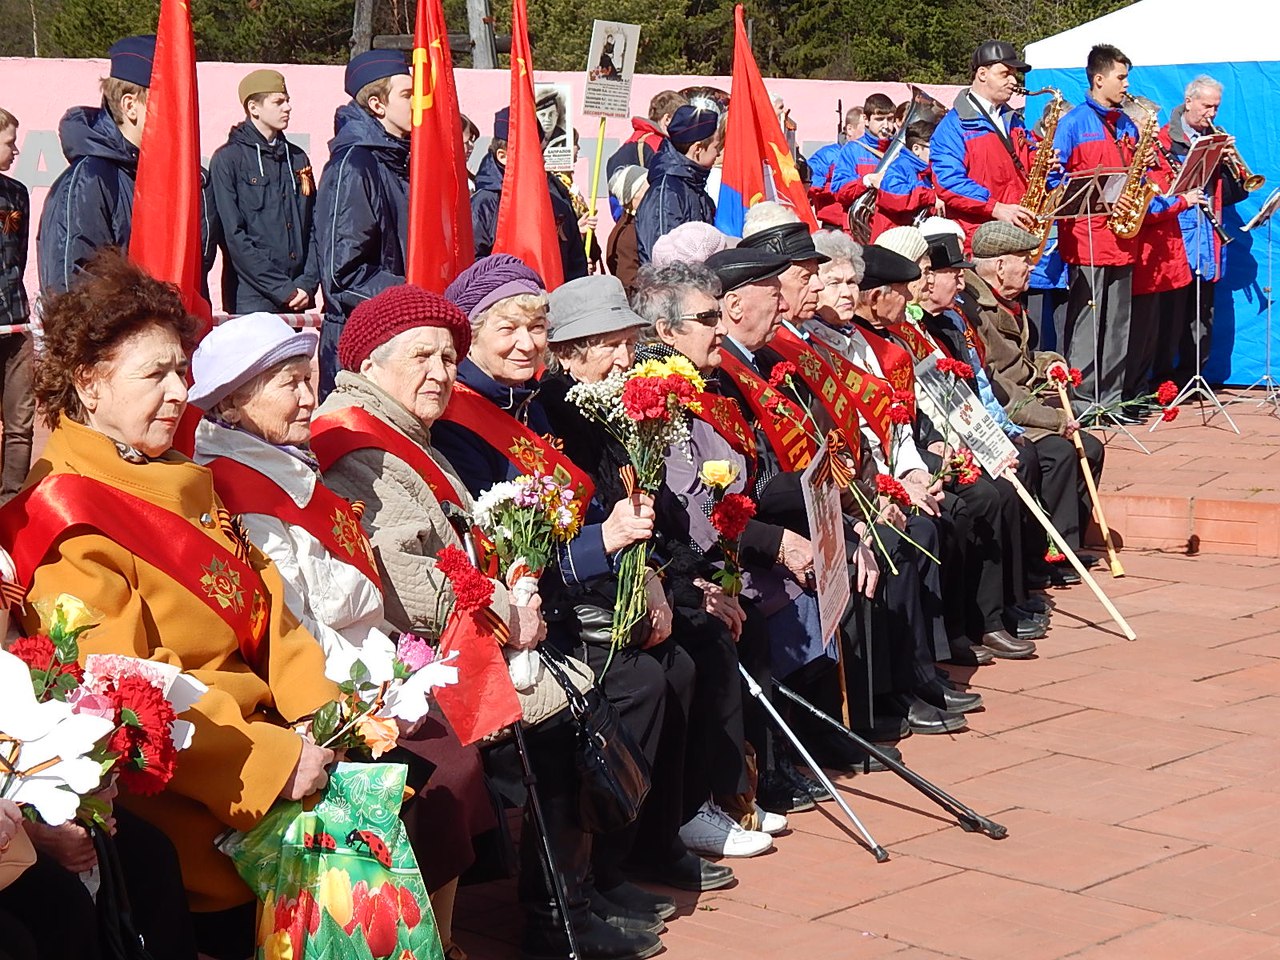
x=885, y=267
x=790, y=240
x=995, y=238
x=131, y=59
x=945, y=253
x=998, y=51
x=743, y=265
x=372, y=65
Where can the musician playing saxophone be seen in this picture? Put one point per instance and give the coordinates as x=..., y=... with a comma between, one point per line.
x=906, y=190
x=981, y=151
x=1202, y=246
x=1098, y=134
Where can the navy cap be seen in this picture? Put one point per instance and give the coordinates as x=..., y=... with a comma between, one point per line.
x=886, y=267
x=690, y=125
x=502, y=126
x=373, y=65
x=131, y=59
x=790, y=240
x=741, y=266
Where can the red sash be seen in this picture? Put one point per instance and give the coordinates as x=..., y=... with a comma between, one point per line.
x=327, y=517
x=344, y=431
x=916, y=340
x=527, y=451
x=822, y=380
x=725, y=417
x=896, y=363
x=871, y=395
x=788, y=440
x=33, y=522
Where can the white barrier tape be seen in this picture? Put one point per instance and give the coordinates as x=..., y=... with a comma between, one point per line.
x=299, y=321
x=8, y=328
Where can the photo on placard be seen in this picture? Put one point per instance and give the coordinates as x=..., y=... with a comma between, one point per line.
x=554, y=106
x=611, y=63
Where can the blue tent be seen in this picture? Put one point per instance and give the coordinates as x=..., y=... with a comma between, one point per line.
x=1171, y=42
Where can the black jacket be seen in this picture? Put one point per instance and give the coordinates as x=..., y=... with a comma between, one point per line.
x=362, y=212
x=484, y=216
x=265, y=197
x=15, y=231
x=677, y=194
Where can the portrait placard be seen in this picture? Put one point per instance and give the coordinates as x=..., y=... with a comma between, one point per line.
x=826, y=532
x=611, y=63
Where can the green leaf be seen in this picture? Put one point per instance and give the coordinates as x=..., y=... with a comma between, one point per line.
x=128, y=718
x=360, y=673
x=326, y=721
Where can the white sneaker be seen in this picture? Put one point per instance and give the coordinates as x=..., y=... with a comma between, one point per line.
x=715, y=833
x=770, y=823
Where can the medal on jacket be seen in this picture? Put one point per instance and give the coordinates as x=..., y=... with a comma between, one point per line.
x=306, y=182
x=10, y=220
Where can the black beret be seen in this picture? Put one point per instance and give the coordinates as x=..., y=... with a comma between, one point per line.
x=885, y=267
x=790, y=240
x=743, y=265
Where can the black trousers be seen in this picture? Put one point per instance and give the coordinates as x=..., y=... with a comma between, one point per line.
x=1179, y=330
x=1062, y=487
x=755, y=655
x=983, y=555
x=1144, y=335
x=913, y=602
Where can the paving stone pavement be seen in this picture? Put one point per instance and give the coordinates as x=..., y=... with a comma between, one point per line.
x=1137, y=780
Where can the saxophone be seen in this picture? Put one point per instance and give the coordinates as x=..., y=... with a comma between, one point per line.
x=1131, y=206
x=1039, y=199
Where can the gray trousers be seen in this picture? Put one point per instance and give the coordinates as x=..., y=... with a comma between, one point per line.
x=1096, y=331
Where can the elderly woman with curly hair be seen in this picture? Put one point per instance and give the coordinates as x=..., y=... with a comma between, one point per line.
x=116, y=517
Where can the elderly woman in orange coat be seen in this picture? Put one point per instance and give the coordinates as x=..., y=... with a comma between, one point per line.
x=116, y=517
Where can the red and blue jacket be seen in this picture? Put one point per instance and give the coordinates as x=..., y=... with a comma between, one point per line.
x=1159, y=262
x=823, y=165
x=857, y=158
x=972, y=167
x=905, y=189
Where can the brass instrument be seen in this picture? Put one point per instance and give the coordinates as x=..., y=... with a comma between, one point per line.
x=1039, y=199
x=1236, y=166
x=1130, y=208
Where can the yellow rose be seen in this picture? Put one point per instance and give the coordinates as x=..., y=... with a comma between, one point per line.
x=379, y=733
x=70, y=614
x=278, y=946
x=334, y=895
x=718, y=473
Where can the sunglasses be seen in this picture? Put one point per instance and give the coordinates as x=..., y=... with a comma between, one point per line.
x=708, y=318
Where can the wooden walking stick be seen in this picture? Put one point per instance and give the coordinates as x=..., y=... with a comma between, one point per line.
x=1091, y=485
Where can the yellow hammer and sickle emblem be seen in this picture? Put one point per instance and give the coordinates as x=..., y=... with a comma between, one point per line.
x=423, y=99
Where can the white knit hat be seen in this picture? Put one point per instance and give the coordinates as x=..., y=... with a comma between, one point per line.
x=908, y=242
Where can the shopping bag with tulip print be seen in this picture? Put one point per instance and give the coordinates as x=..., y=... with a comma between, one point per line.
x=340, y=881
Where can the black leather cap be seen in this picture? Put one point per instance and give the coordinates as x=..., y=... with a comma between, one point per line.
x=998, y=51
x=945, y=252
x=743, y=265
x=790, y=240
x=884, y=267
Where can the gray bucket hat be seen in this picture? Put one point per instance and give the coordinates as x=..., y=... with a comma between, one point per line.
x=589, y=307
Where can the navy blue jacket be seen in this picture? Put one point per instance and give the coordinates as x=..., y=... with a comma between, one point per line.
x=15, y=230
x=362, y=212
x=265, y=198
x=484, y=216
x=677, y=194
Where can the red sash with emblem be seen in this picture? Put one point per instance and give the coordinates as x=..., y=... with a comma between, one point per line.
x=788, y=440
x=822, y=380
x=34, y=521
x=871, y=395
x=327, y=517
x=527, y=451
x=916, y=340
x=344, y=431
x=894, y=360
x=725, y=417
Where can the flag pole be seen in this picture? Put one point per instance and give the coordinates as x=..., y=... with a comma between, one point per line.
x=595, y=187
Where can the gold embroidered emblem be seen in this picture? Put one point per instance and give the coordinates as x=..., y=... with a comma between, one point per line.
x=527, y=454
x=900, y=378
x=258, y=615
x=222, y=583
x=346, y=531
x=810, y=365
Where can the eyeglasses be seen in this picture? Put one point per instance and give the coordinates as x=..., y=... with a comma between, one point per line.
x=708, y=318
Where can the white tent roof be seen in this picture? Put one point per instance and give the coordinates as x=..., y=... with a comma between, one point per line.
x=1169, y=32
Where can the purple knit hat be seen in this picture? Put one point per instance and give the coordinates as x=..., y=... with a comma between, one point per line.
x=491, y=279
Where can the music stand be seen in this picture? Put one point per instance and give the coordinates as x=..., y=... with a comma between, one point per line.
x=1273, y=388
x=1201, y=164
x=1093, y=193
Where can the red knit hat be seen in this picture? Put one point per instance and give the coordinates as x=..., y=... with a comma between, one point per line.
x=394, y=311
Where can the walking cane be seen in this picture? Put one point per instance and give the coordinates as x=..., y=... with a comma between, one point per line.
x=969, y=819
x=461, y=523
x=1116, y=569
x=867, y=841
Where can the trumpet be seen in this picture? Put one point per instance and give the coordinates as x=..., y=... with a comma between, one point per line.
x=1236, y=166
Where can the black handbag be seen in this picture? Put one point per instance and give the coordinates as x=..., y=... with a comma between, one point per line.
x=613, y=773
x=118, y=937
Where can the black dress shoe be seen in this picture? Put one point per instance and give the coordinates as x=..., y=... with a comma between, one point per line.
x=690, y=872
x=1024, y=612
x=1037, y=605
x=937, y=693
x=597, y=940
x=624, y=918
x=1007, y=647
x=1088, y=560
x=814, y=788
x=965, y=654
x=639, y=900
x=1063, y=576
x=1028, y=630
x=884, y=730
x=927, y=719
x=778, y=795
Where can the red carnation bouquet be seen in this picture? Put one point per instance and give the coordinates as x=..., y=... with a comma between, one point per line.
x=892, y=489
x=730, y=515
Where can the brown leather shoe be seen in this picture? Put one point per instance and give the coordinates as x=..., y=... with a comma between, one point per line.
x=1007, y=647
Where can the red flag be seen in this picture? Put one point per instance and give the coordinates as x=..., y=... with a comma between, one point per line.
x=758, y=164
x=165, y=237
x=483, y=700
x=526, y=225
x=440, y=239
